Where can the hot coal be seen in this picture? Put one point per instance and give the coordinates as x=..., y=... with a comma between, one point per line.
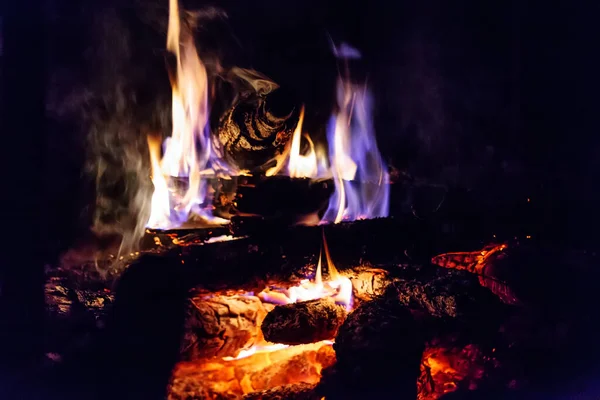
x=231, y=379
x=303, y=322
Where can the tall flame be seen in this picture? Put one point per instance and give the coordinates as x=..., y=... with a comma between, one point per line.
x=360, y=175
x=188, y=151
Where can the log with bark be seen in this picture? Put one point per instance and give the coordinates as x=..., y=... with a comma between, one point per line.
x=303, y=322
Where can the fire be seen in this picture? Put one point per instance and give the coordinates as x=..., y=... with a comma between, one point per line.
x=312, y=165
x=360, y=175
x=188, y=151
x=219, y=378
x=354, y=162
x=303, y=166
x=190, y=157
x=337, y=287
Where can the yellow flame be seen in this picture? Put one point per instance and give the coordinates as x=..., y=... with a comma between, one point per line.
x=333, y=272
x=160, y=204
x=302, y=166
x=313, y=164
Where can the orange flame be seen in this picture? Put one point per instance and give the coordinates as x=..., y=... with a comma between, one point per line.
x=338, y=287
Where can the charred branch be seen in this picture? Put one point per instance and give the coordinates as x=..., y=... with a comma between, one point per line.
x=303, y=322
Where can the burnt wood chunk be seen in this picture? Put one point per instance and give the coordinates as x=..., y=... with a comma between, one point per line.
x=221, y=326
x=453, y=294
x=298, y=391
x=378, y=350
x=303, y=322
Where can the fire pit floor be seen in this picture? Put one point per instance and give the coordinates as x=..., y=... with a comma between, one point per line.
x=422, y=329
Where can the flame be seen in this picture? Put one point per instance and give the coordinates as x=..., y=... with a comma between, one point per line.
x=188, y=152
x=179, y=177
x=313, y=164
x=302, y=166
x=360, y=175
x=354, y=161
x=338, y=287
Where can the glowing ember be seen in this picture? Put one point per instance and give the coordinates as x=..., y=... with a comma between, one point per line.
x=473, y=261
x=444, y=368
x=337, y=287
x=259, y=371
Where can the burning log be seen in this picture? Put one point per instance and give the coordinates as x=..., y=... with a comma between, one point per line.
x=368, y=344
x=304, y=322
x=257, y=128
x=298, y=391
x=221, y=326
x=281, y=197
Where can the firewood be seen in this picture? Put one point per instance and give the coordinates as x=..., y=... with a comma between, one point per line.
x=298, y=391
x=221, y=326
x=256, y=129
x=303, y=322
x=281, y=198
x=379, y=349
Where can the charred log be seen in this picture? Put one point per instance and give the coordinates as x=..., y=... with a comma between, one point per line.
x=454, y=295
x=303, y=322
x=371, y=340
x=221, y=326
x=281, y=197
x=72, y=313
x=257, y=128
x=298, y=391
